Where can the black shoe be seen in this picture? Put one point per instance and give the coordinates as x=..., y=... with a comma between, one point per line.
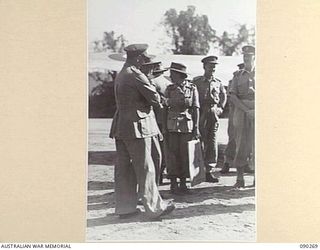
x=184, y=189
x=174, y=189
x=167, y=210
x=239, y=184
x=225, y=169
x=130, y=215
x=210, y=178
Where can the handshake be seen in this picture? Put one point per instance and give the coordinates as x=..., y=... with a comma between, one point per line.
x=218, y=110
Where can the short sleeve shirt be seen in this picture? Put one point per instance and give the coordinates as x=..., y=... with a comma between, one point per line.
x=209, y=90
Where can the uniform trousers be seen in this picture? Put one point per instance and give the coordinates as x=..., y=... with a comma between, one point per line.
x=244, y=138
x=135, y=177
x=157, y=156
x=230, y=150
x=208, y=128
x=177, y=155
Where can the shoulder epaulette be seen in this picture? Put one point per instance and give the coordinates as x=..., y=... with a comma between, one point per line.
x=238, y=72
x=197, y=78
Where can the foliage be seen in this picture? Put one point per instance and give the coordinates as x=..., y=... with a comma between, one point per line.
x=110, y=43
x=230, y=44
x=191, y=34
x=101, y=94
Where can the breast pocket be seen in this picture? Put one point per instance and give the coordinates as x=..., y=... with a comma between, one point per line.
x=143, y=112
x=147, y=127
x=243, y=88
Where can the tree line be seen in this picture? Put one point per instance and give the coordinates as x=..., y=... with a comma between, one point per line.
x=190, y=34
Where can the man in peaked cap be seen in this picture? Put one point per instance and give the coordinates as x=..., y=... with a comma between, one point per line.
x=181, y=124
x=134, y=127
x=242, y=94
x=154, y=71
x=231, y=146
x=212, y=95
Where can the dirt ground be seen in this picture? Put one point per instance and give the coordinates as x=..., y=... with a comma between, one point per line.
x=212, y=212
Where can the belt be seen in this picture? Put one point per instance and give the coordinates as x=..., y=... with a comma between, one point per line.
x=209, y=105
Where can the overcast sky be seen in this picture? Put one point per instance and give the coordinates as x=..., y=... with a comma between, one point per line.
x=138, y=20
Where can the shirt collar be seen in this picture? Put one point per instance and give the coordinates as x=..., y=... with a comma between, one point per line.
x=208, y=79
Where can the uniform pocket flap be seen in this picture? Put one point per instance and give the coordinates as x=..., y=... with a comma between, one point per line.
x=143, y=112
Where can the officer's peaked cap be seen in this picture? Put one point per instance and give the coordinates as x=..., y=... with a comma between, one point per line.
x=149, y=61
x=241, y=65
x=210, y=59
x=248, y=49
x=136, y=49
x=158, y=68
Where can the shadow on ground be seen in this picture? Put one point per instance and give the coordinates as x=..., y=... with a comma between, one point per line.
x=100, y=185
x=178, y=213
x=102, y=157
x=106, y=201
x=109, y=157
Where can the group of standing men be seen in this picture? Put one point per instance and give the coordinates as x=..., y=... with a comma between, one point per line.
x=156, y=114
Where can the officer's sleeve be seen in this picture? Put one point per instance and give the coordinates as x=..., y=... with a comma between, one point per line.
x=195, y=99
x=233, y=95
x=233, y=86
x=146, y=89
x=223, y=96
x=166, y=93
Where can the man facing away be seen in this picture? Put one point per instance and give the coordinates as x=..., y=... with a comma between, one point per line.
x=213, y=98
x=134, y=128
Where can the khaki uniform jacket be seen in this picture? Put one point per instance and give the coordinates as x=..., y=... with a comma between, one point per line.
x=210, y=91
x=135, y=96
x=161, y=83
x=180, y=101
x=243, y=85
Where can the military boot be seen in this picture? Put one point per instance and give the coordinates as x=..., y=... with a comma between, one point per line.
x=174, y=189
x=225, y=169
x=183, y=186
x=240, y=179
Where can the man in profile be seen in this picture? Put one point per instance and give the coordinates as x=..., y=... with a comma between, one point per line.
x=134, y=127
x=230, y=150
x=242, y=95
x=154, y=71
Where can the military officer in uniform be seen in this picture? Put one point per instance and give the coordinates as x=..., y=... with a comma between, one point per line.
x=134, y=127
x=213, y=98
x=231, y=146
x=242, y=93
x=161, y=83
x=182, y=125
x=154, y=71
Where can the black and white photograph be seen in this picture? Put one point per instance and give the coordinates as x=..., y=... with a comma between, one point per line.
x=171, y=120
